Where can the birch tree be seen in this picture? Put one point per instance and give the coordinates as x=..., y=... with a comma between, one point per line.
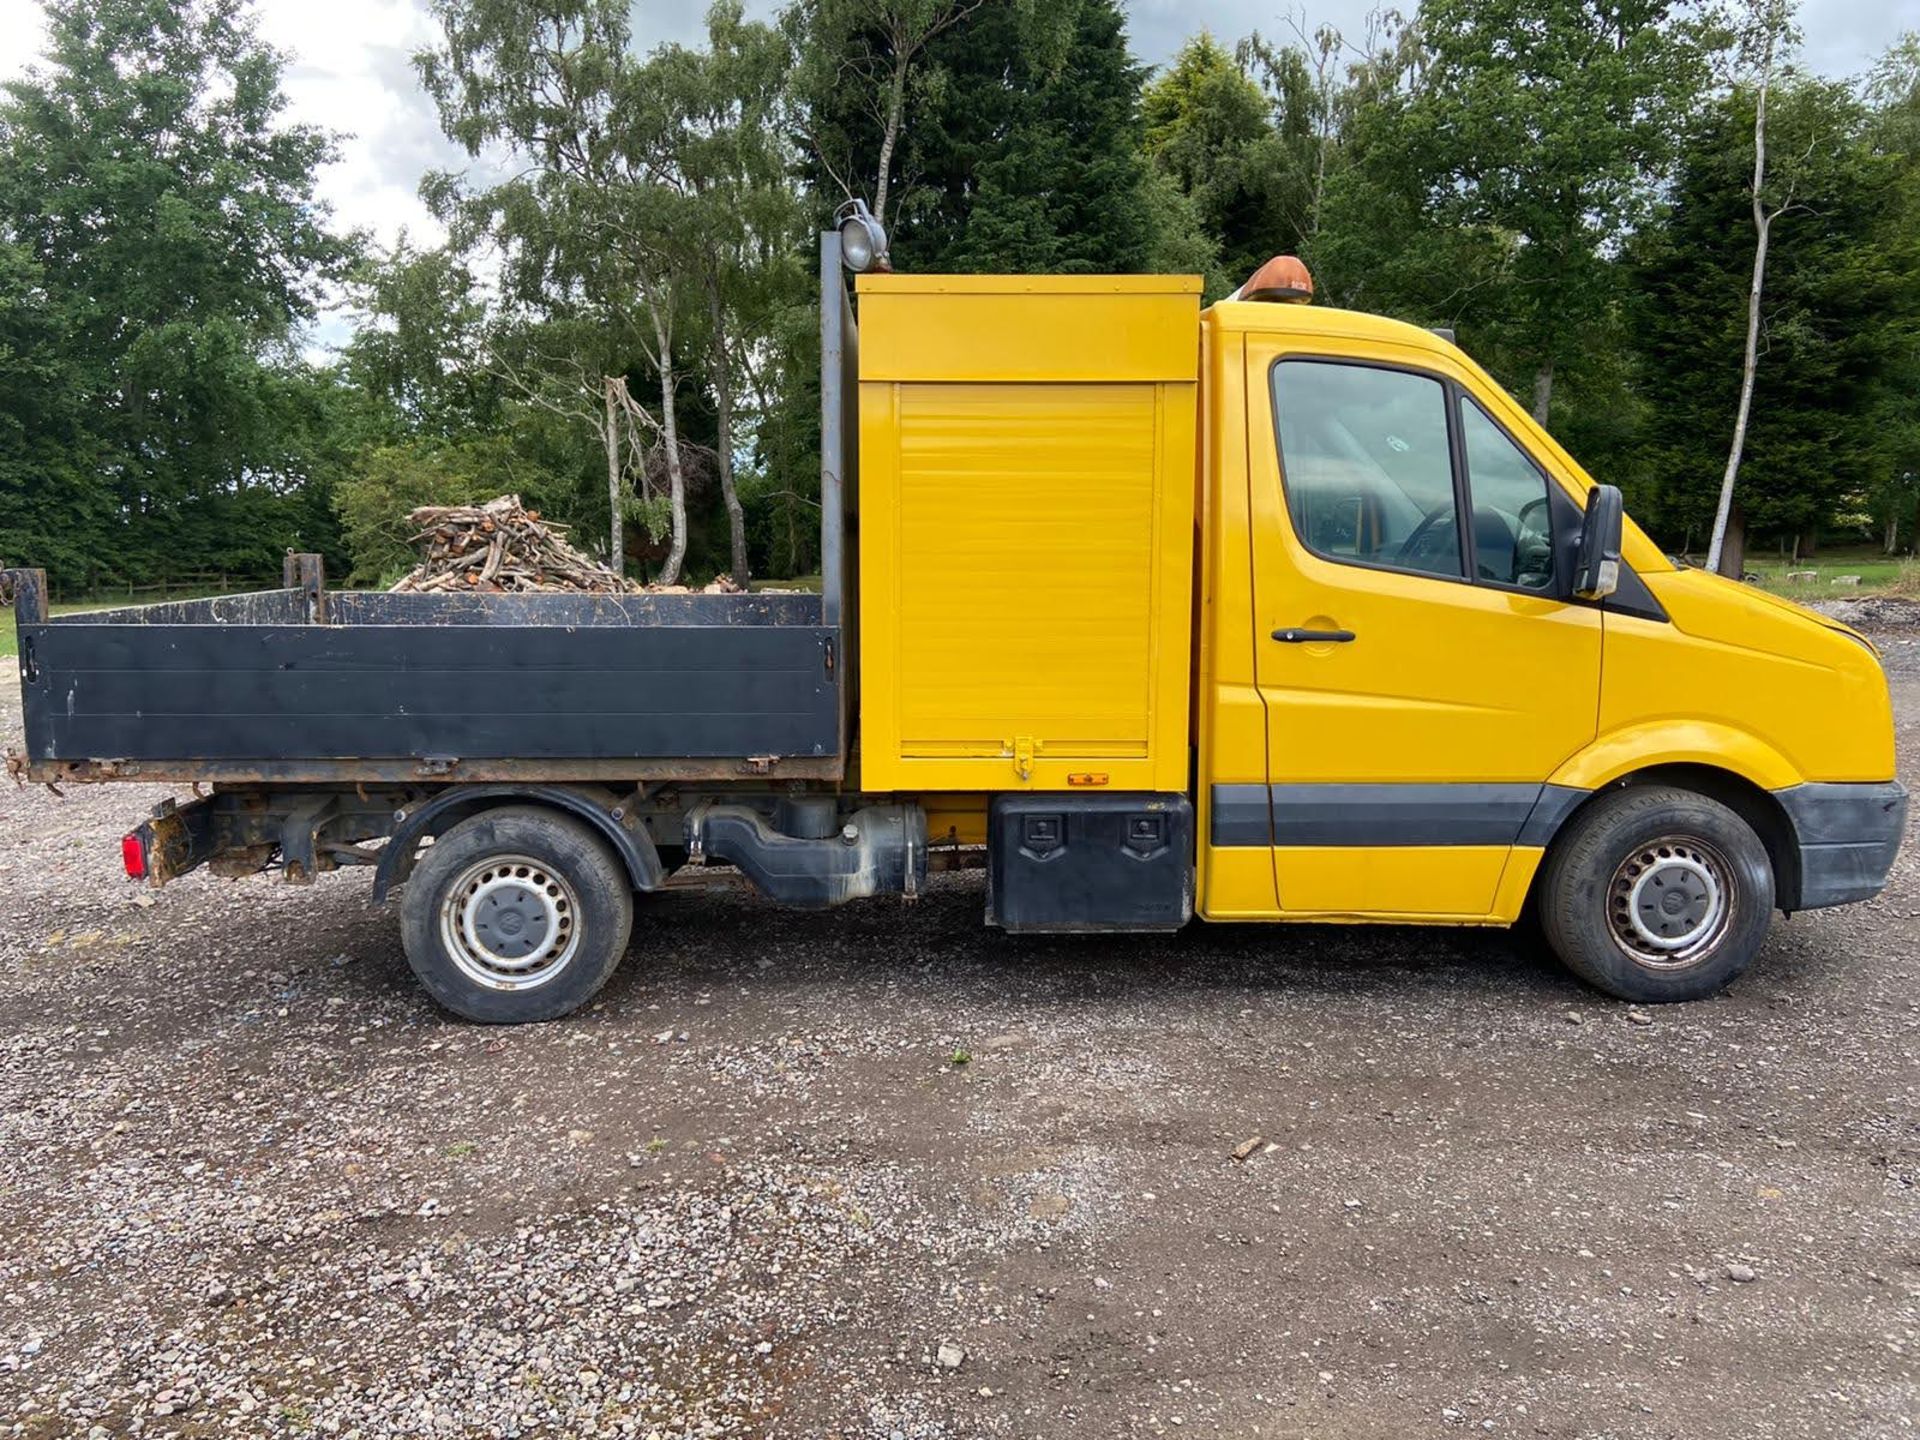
x=724, y=144
x=591, y=213
x=1767, y=31
x=1842, y=283
x=873, y=50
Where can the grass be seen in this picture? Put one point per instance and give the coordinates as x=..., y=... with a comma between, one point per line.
x=1879, y=573
x=9, y=637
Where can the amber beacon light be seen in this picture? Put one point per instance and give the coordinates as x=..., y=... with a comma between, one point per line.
x=1283, y=279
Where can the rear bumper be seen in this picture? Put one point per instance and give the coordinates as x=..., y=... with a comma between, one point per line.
x=1845, y=837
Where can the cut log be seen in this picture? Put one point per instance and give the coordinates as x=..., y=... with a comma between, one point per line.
x=500, y=547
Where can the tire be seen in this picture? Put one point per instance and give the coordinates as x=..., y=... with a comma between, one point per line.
x=1657, y=894
x=515, y=915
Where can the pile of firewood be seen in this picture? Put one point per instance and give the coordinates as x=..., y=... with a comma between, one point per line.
x=500, y=546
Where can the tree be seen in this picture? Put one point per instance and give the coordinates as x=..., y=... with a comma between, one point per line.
x=1208, y=129
x=1025, y=149
x=1377, y=243
x=1840, y=296
x=860, y=66
x=746, y=222
x=54, y=511
x=1312, y=85
x=418, y=350
x=1550, y=124
x=1064, y=187
x=1893, y=93
x=598, y=215
x=160, y=250
x=1768, y=29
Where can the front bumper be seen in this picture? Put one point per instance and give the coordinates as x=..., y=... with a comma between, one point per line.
x=1845, y=837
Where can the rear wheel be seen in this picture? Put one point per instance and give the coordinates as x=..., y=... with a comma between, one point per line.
x=1656, y=894
x=516, y=914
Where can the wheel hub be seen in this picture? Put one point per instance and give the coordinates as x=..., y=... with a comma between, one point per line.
x=511, y=920
x=1669, y=903
x=509, y=923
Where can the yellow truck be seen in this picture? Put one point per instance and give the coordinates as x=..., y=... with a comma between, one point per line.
x=1261, y=612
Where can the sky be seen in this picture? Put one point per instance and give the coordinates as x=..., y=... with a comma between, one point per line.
x=351, y=72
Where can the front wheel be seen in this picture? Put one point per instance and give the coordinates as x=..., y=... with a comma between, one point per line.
x=516, y=914
x=1657, y=894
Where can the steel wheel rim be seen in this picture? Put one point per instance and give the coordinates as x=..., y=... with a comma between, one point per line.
x=1671, y=902
x=510, y=923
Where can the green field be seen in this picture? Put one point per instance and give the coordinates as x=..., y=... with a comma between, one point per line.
x=10, y=645
x=1878, y=573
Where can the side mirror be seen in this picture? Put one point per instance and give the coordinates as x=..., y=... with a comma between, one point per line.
x=1596, y=574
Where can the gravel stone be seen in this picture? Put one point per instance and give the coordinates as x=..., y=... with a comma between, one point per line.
x=254, y=1186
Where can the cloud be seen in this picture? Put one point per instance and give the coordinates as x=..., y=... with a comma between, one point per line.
x=352, y=73
x=1843, y=37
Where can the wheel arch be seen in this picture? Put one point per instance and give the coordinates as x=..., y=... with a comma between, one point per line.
x=601, y=809
x=1753, y=803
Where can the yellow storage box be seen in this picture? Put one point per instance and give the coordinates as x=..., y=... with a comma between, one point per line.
x=1027, y=470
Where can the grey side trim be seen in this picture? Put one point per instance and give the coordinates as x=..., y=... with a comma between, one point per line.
x=1444, y=814
x=1242, y=815
x=1549, y=813
x=1846, y=836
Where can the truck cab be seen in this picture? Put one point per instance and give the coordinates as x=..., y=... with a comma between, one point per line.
x=1407, y=707
x=1262, y=612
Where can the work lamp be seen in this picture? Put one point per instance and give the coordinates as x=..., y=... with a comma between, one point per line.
x=863, y=239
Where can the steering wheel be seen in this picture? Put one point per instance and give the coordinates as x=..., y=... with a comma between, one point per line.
x=1535, y=558
x=1520, y=520
x=1410, y=546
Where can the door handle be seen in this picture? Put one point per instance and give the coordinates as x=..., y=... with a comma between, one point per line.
x=1291, y=636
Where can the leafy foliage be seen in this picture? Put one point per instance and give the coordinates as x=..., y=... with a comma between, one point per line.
x=1211, y=130
x=624, y=327
x=1837, y=318
x=162, y=249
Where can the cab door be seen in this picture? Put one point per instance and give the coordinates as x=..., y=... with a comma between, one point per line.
x=1421, y=663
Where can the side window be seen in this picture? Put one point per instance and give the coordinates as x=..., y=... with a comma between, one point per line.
x=1512, y=519
x=1366, y=466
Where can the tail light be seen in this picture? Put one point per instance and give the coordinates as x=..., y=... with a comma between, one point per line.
x=133, y=854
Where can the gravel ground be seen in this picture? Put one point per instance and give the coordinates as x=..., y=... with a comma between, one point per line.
x=886, y=1173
